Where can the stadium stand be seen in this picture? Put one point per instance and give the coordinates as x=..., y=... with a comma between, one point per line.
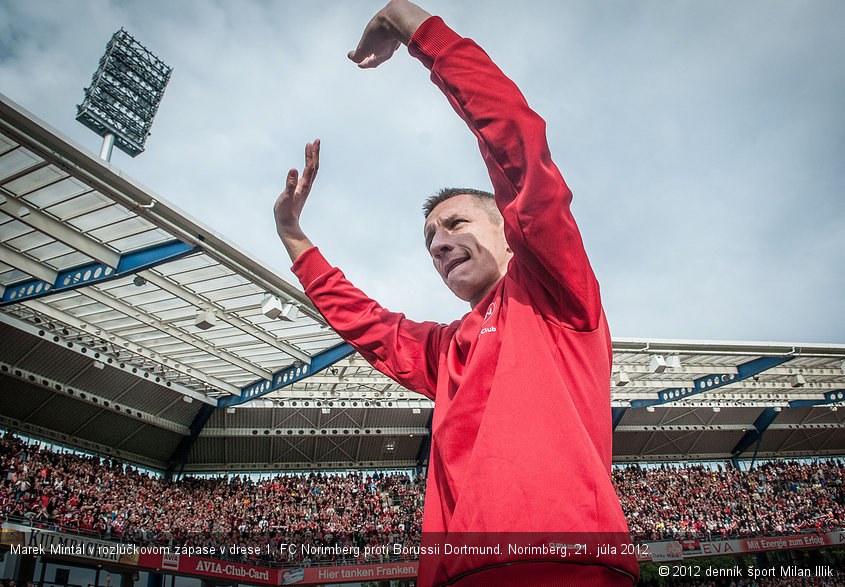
x=104, y=498
x=135, y=333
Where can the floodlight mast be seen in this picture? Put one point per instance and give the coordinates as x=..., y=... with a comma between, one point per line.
x=124, y=95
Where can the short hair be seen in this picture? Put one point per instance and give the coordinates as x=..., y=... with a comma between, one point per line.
x=486, y=201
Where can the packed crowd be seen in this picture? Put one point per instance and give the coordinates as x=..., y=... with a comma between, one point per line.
x=775, y=498
x=340, y=514
x=102, y=497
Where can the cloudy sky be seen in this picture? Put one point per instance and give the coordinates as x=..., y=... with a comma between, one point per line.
x=704, y=141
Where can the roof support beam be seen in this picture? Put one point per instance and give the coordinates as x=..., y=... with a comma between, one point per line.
x=28, y=265
x=183, y=451
x=88, y=397
x=34, y=218
x=765, y=419
x=97, y=272
x=203, y=346
x=424, y=453
x=279, y=379
x=69, y=342
x=289, y=375
x=67, y=440
x=312, y=432
x=831, y=397
x=616, y=415
x=711, y=382
x=123, y=343
x=238, y=323
x=300, y=465
x=754, y=436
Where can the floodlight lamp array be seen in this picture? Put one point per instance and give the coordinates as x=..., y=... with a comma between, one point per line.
x=125, y=93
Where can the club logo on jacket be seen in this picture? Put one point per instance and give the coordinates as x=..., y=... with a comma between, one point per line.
x=487, y=315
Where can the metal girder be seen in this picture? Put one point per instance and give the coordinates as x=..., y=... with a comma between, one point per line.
x=68, y=343
x=134, y=347
x=322, y=432
x=344, y=399
x=164, y=327
x=240, y=324
x=616, y=416
x=183, y=451
x=830, y=397
x=289, y=375
x=64, y=439
x=26, y=264
x=34, y=218
x=280, y=379
x=302, y=465
x=425, y=448
x=88, y=397
x=97, y=272
x=711, y=382
x=756, y=435
x=681, y=428
x=768, y=416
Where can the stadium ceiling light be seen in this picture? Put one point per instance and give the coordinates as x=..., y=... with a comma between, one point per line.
x=230, y=410
x=657, y=364
x=289, y=313
x=842, y=366
x=273, y=308
x=797, y=380
x=649, y=408
x=621, y=378
x=205, y=319
x=326, y=410
x=187, y=399
x=99, y=364
x=673, y=361
x=717, y=409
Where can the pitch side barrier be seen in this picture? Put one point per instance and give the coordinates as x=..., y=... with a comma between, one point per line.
x=205, y=562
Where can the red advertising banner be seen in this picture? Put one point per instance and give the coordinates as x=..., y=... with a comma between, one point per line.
x=189, y=561
x=168, y=560
x=350, y=573
x=681, y=549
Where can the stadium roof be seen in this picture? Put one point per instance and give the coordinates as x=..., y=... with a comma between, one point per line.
x=132, y=330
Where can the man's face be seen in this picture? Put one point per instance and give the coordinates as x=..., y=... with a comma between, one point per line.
x=468, y=249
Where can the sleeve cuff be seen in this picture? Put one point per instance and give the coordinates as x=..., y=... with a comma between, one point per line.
x=309, y=266
x=430, y=39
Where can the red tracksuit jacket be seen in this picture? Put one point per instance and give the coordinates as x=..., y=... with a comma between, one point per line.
x=521, y=432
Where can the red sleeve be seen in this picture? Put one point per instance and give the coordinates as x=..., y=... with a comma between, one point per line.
x=402, y=349
x=530, y=191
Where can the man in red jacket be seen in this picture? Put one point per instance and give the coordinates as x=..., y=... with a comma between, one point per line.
x=519, y=488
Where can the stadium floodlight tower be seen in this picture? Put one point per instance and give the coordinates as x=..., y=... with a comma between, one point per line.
x=124, y=95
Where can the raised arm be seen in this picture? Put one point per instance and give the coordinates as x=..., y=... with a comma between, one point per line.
x=288, y=207
x=530, y=191
x=393, y=25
